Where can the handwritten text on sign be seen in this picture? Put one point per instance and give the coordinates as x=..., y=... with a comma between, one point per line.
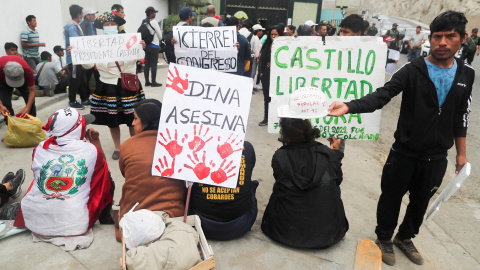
x=345, y=68
x=202, y=126
x=106, y=48
x=206, y=47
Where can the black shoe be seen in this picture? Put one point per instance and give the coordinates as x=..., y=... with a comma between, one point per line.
x=106, y=217
x=386, y=247
x=9, y=176
x=148, y=84
x=86, y=103
x=155, y=84
x=10, y=212
x=76, y=105
x=17, y=184
x=263, y=123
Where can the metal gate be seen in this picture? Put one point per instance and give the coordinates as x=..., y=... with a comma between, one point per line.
x=268, y=12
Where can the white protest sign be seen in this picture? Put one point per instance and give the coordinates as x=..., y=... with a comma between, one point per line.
x=202, y=126
x=206, y=47
x=393, y=55
x=106, y=48
x=345, y=68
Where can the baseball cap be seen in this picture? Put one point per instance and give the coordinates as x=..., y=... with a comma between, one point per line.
x=58, y=48
x=89, y=118
x=88, y=11
x=389, y=38
x=150, y=10
x=394, y=24
x=185, y=13
x=310, y=23
x=257, y=27
x=475, y=30
x=14, y=74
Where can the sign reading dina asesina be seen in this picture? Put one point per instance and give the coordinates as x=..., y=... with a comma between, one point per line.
x=345, y=68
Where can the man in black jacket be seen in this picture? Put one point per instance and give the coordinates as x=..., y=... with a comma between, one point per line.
x=437, y=92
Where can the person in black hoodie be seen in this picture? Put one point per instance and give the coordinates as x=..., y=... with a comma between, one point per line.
x=305, y=209
x=436, y=98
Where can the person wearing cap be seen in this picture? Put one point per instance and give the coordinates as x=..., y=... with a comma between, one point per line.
x=256, y=46
x=434, y=115
x=16, y=73
x=312, y=27
x=152, y=50
x=78, y=83
x=30, y=42
x=112, y=105
x=471, y=46
x=305, y=209
x=211, y=17
x=415, y=42
x=186, y=16
x=393, y=33
x=87, y=23
x=71, y=177
x=372, y=30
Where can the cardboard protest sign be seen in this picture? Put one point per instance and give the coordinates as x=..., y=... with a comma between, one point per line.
x=202, y=126
x=206, y=47
x=345, y=68
x=106, y=48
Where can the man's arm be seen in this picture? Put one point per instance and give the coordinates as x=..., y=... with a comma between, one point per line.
x=461, y=160
x=478, y=46
x=31, y=98
x=26, y=44
x=3, y=110
x=156, y=28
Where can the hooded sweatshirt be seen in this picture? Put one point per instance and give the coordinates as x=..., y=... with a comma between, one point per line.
x=305, y=209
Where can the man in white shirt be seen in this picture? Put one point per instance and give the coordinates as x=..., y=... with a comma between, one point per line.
x=47, y=73
x=256, y=46
x=60, y=62
x=152, y=49
x=415, y=42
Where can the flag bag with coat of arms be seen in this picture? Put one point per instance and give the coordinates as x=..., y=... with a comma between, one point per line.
x=72, y=184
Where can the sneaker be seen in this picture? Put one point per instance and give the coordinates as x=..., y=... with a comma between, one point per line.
x=258, y=86
x=148, y=84
x=263, y=123
x=388, y=256
x=76, y=105
x=86, y=103
x=155, y=84
x=116, y=155
x=9, y=176
x=16, y=183
x=50, y=90
x=407, y=247
x=40, y=93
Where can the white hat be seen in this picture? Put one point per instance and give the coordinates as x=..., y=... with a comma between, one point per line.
x=257, y=27
x=305, y=103
x=310, y=23
x=88, y=11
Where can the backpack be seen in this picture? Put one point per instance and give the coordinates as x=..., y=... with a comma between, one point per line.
x=470, y=44
x=249, y=39
x=147, y=36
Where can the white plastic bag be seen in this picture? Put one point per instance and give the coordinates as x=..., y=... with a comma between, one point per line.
x=141, y=227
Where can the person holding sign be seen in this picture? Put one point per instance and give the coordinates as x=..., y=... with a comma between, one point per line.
x=436, y=98
x=305, y=209
x=112, y=105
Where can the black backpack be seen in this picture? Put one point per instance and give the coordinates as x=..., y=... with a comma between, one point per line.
x=145, y=32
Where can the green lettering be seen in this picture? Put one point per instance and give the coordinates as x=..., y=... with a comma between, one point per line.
x=303, y=82
x=316, y=60
x=374, y=56
x=351, y=89
x=340, y=81
x=335, y=121
x=327, y=122
x=313, y=81
x=325, y=87
x=297, y=56
x=356, y=115
x=339, y=60
x=280, y=65
x=329, y=51
x=349, y=69
x=278, y=87
x=362, y=88
x=358, y=61
x=290, y=85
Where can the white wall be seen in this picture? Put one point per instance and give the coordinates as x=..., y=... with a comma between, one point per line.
x=52, y=15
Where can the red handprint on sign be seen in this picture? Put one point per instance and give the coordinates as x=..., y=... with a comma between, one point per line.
x=167, y=172
x=173, y=148
x=198, y=143
x=226, y=149
x=201, y=170
x=220, y=175
x=176, y=82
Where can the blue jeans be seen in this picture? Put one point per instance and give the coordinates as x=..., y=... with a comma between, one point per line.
x=414, y=54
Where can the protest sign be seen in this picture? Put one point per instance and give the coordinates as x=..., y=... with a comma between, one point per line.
x=206, y=47
x=106, y=48
x=345, y=68
x=392, y=55
x=202, y=126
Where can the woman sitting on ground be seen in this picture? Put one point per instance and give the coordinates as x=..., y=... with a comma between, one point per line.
x=154, y=193
x=305, y=209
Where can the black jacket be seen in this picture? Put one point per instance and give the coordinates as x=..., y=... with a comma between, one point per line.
x=305, y=209
x=424, y=130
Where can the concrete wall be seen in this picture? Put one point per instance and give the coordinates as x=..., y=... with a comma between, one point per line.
x=52, y=15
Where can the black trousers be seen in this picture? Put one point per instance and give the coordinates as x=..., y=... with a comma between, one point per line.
x=151, y=61
x=266, y=89
x=421, y=178
x=6, y=97
x=467, y=55
x=78, y=85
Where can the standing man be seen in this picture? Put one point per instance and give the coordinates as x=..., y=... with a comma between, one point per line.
x=77, y=74
x=470, y=47
x=30, y=42
x=431, y=119
x=152, y=49
x=312, y=27
x=322, y=30
x=211, y=17
x=16, y=73
x=87, y=24
x=415, y=42
x=372, y=30
x=393, y=33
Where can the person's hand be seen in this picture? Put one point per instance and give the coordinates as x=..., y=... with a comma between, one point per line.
x=461, y=161
x=334, y=143
x=261, y=74
x=338, y=108
x=92, y=135
x=143, y=44
x=41, y=44
x=24, y=111
x=258, y=59
x=69, y=49
x=396, y=61
x=174, y=41
x=3, y=110
x=237, y=44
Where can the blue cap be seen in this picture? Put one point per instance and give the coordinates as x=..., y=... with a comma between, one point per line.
x=185, y=13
